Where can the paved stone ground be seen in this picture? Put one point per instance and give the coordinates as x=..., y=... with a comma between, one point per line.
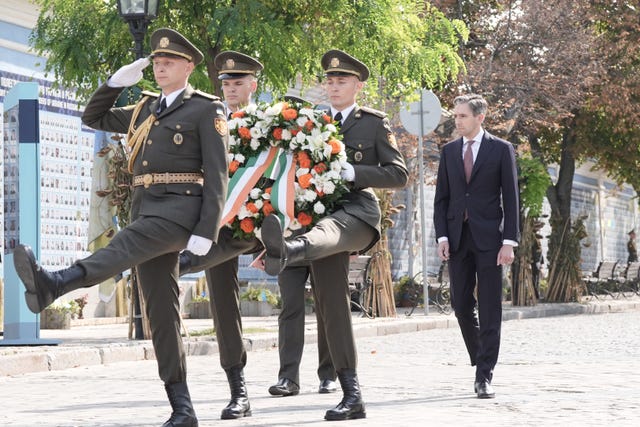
x=570, y=370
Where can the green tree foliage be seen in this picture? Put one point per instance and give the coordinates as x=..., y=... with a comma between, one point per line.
x=406, y=43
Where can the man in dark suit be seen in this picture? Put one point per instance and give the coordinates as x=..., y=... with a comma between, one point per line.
x=373, y=161
x=178, y=161
x=476, y=221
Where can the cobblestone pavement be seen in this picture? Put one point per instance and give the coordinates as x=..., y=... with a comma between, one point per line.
x=571, y=370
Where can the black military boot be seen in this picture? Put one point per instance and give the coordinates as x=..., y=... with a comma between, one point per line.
x=43, y=287
x=185, y=262
x=238, y=406
x=351, y=407
x=280, y=252
x=182, y=414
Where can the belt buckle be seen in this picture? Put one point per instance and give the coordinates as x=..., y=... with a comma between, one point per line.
x=147, y=180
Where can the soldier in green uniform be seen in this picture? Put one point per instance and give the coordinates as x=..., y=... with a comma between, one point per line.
x=238, y=73
x=179, y=166
x=631, y=247
x=374, y=161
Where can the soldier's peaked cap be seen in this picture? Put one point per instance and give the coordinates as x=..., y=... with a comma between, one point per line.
x=231, y=65
x=339, y=63
x=168, y=42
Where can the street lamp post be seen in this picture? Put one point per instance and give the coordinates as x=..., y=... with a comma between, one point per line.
x=138, y=14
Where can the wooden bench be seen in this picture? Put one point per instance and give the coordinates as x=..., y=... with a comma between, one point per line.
x=602, y=281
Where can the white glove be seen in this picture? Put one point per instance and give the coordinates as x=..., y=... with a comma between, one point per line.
x=348, y=173
x=128, y=75
x=199, y=245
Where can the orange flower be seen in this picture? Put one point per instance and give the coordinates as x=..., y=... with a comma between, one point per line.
x=320, y=168
x=305, y=180
x=238, y=114
x=267, y=208
x=251, y=207
x=304, y=219
x=304, y=160
x=309, y=125
x=244, y=133
x=233, y=166
x=294, y=132
x=326, y=118
x=277, y=133
x=336, y=146
x=289, y=114
x=320, y=193
x=247, y=225
x=268, y=190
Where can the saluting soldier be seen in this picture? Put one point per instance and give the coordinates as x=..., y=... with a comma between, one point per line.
x=373, y=161
x=178, y=161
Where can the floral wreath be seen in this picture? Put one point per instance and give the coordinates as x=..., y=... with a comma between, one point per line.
x=285, y=159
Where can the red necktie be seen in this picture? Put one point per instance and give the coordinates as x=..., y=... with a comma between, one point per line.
x=468, y=160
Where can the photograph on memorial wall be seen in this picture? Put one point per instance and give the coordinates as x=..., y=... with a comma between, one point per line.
x=10, y=179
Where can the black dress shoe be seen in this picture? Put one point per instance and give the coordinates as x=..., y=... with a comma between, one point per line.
x=284, y=387
x=484, y=390
x=327, y=386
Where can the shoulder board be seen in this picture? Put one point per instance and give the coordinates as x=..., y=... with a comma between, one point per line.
x=374, y=112
x=149, y=93
x=206, y=95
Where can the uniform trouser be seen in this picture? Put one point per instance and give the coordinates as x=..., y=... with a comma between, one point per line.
x=291, y=327
x=153, y=245
x=221, y=265
x=480, y=329
x=329, y=244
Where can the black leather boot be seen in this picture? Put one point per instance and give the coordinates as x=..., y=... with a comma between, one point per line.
x=43, y=287
x=280, y=252
x=238, y=406
x=182, y=414
x=185, y=262
x=351, y=407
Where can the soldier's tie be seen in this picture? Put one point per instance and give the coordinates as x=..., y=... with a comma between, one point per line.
x=338, y=118
x=468, y=160
x=163, y=105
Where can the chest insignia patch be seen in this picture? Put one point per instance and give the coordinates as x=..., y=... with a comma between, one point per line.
x=357, y=156
x=178, y=139
x=221, y=125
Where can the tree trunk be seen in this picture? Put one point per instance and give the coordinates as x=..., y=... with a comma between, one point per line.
x=564, y=243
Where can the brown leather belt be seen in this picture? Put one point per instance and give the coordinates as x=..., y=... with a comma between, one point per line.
x=167, y=178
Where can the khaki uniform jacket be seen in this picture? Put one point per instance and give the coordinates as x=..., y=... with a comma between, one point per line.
x=371, y=149
x=189, y=136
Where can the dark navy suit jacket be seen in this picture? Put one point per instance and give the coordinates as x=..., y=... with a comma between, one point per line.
x=490, y=196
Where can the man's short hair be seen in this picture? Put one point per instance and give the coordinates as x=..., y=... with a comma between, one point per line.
x=476, y=102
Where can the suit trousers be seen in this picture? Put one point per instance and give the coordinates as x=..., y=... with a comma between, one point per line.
x=153, y=244
x=479, y=320
x=221, y=265
x=291, y=327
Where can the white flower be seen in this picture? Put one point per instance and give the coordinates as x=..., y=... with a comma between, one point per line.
x=243, y=213
x=294, y=225
x=251, y=108
x=286, y=135
x=335, y=166
x=240, y=158
x=230, y=157
x=254, y=144
x=309, y=195
x=256, y=132
x=259, y=203
x=318, y=208
x=329, y=187
x=233, y=141
x=302, y=171
x=255, y=193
